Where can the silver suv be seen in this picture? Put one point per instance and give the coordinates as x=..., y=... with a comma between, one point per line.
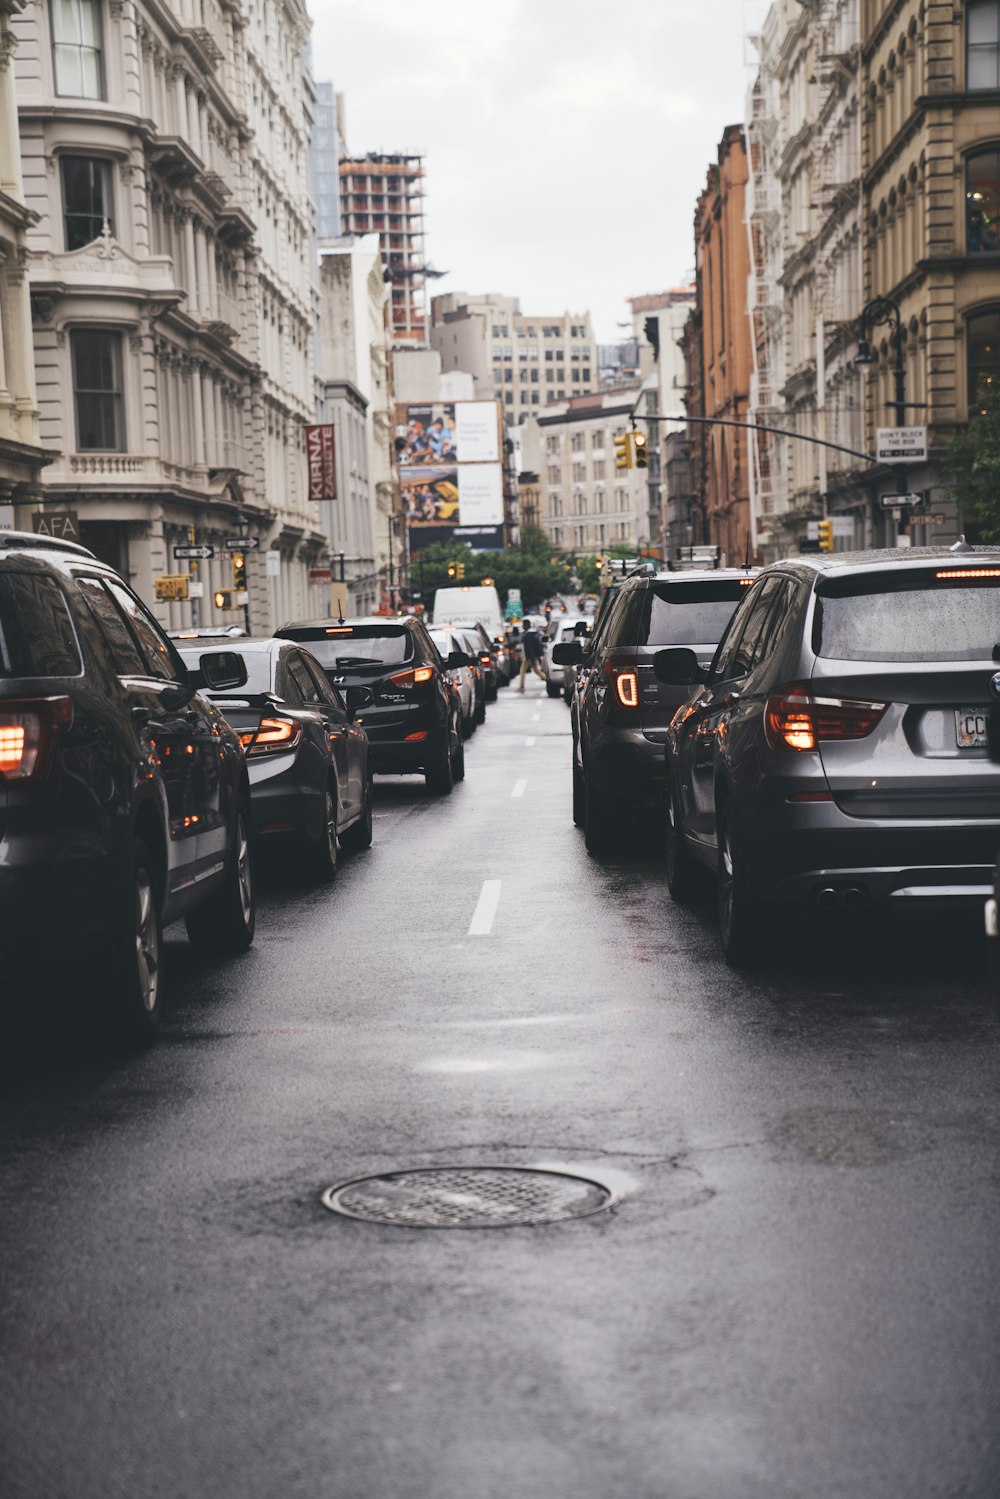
x=835, y=752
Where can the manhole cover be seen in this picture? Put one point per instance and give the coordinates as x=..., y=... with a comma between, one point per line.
x=468, y=1197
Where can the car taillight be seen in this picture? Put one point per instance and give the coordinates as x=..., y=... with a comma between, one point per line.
x=485, y=657
x=627, y=689
x=796, y=720
x=273, y=736
x=412, y=678
x=27, y=732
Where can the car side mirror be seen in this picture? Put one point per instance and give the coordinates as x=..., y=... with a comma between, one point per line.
x=358, y=698
x=457, y=659
x=678, y=667
x=221, y=670
x=567, y=653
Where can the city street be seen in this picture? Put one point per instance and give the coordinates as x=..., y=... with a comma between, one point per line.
x=794, y=1294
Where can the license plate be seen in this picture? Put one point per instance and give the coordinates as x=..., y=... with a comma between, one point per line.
x=970, y=727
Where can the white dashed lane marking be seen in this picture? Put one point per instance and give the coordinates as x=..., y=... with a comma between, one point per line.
x=519, y=787
x=486, y=908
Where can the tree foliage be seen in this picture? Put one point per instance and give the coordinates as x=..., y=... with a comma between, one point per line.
x=975, y=458
x=532, y=566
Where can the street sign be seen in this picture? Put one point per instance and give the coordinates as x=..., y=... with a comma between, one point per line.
x=194, y=553
x=241, y=543
x=272, y=560
x=65, y=524
x=901, y=444
x=320, y=575
x=900, y=501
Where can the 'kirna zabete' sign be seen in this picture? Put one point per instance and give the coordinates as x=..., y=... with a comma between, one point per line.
x=321, y=457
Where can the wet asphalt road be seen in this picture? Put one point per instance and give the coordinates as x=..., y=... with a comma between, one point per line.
x=797, y=1294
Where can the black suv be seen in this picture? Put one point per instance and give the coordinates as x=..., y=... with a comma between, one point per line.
x=391, y=671
x=124, y=800
x=620, y=711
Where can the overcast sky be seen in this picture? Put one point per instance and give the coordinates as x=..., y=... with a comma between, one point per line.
x=566, y=140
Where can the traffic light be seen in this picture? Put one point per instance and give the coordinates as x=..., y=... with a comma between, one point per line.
x=223, y=598
x=639, y=444
x=456, y=570
x=239, y=572
x=826, y=535
x=623, y=450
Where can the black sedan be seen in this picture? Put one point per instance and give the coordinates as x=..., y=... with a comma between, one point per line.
x=310, y=784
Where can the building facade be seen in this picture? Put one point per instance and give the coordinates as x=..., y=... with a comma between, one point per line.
x=586, y=504
x=165, y=159
x=384, y=195
x=722, y=267
x=21, y=456
x=522, y=361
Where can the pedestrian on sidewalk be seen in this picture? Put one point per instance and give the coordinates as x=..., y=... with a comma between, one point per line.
x=534, y=650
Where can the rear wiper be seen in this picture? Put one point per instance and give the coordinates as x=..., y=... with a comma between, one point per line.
x=358, y=661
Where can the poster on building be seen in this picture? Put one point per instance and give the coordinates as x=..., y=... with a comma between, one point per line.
x=461, y=503
x=448, y=432
x=321, y=457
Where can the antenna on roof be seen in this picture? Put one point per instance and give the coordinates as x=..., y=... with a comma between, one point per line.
x=746, y=555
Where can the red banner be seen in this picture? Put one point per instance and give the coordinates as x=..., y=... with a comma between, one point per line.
x=321, y=456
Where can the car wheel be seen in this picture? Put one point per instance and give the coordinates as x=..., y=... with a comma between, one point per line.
x=469, y=726
x=684, y=876
x=322, y=858
x=553, y=689
x=225, y=922
x=481, y=710
x=600, y=824
x=360, y=835
x=439, y=776
x=491, y=692
x=135, y=979
x=577, y=796
x=457, y=753
x=742, y=923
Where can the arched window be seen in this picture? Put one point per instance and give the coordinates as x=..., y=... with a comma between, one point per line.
x=982, y=202
x=982, y=44
x=983, y=351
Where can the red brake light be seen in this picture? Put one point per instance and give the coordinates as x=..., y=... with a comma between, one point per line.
x=413, y=677
x=795, y=720
x=274, y=735
x=627, y=689
x=27, y=731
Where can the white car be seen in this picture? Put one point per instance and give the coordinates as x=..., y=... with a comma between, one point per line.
x=446, y=642
x=559, y=679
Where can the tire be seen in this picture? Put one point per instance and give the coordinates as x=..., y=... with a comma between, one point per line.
x=439, y=776
x=491, y=692
x=469, y=725
x=742, y=922
x=225, y=922
x=359, y=836
x=134, y=963
x=600, y=825
x=553, y=689
x=322, y=855
x=458, y=754
x=577, y=796
x=684, y=876
x=481, y=710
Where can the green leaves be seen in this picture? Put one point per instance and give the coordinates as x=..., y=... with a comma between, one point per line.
x=975, y=458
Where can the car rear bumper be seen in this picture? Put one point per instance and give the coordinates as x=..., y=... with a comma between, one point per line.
x=59, y=908
x=393, y=757
x=628, y=767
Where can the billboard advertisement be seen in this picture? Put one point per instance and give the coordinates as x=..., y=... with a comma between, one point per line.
x=321, y=457
x=450, y=474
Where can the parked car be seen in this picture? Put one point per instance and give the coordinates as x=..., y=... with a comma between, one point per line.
x=450, y=644
x=559, y=679
x=310, y=785
x=470, y=641
x=124, y=795
x=834, y=754
x=391, y=669
x=619, y=711
x=487, y=654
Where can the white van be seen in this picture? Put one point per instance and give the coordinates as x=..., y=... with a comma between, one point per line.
x=481, y=604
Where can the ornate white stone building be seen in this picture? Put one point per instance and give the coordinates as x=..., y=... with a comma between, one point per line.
x=164, y=151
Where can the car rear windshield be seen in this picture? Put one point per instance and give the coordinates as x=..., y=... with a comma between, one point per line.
x=37, y=638
x=944, y=614
x=358, y=645
x=689, y=613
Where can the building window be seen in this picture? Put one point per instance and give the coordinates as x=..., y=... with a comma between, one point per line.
x=982, y=44
x=76, y=48
x=982, y=203
x=983, y=345
x=86, y=200
x=97, y=390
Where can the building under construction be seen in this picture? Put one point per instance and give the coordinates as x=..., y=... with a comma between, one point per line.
x=384, y=195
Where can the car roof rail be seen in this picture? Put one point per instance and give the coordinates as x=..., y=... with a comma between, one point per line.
x=31, y=541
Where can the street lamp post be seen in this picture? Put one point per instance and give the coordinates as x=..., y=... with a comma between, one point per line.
x=875, y=312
